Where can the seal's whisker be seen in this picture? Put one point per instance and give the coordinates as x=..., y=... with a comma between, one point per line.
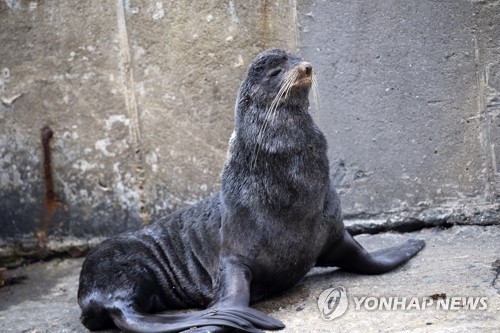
x=284, y=90
x=288, y=81
x=270, y=115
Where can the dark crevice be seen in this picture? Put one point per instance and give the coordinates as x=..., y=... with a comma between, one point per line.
x=496, y=269
x=18, y=279
x=407, y=225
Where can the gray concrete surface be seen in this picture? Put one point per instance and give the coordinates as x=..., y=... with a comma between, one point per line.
x=462, y=261
x=140, y=97
x=401, y=85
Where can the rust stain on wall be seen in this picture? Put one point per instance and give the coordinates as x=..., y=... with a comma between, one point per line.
x=50, y=201
x=265, y=23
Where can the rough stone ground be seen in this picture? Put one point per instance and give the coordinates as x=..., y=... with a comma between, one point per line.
x=459, y=261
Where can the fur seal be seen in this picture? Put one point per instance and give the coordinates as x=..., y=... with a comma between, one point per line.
x=275, y=217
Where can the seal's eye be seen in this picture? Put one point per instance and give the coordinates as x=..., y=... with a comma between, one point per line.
x=275, y=72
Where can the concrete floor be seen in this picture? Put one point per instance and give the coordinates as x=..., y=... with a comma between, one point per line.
x=461, y=261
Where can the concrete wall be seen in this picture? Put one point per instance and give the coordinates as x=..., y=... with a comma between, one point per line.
x=139, y=95
x=410, y=100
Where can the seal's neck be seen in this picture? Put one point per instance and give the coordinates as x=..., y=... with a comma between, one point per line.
x=279, y=163
x=285, y=127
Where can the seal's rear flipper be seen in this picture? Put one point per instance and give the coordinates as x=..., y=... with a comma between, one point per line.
x=241, y=318
x=349, y=255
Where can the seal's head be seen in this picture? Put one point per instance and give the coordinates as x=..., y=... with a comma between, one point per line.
x=272, y=106
x=276, y=77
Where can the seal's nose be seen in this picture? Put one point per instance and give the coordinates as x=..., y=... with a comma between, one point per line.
x=309, y=68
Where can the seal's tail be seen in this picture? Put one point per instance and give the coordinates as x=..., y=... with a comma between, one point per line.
x=213, y=320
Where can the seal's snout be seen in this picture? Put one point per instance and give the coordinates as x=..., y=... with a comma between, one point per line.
x=304, y=74
x=308, y=68
x=305, y=68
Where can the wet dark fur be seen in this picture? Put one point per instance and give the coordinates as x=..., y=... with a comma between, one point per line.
x=275, y=218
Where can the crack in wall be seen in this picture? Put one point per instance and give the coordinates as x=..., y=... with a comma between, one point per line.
x=404, y=226
x=408, y=226
x=487, y=97
x=486, y=216
x=132, y=109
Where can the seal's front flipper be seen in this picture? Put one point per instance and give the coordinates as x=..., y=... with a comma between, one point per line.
x=232, y=296
x=205, y=329
x=248, y=320
x=348, y=254
x=223, y=319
